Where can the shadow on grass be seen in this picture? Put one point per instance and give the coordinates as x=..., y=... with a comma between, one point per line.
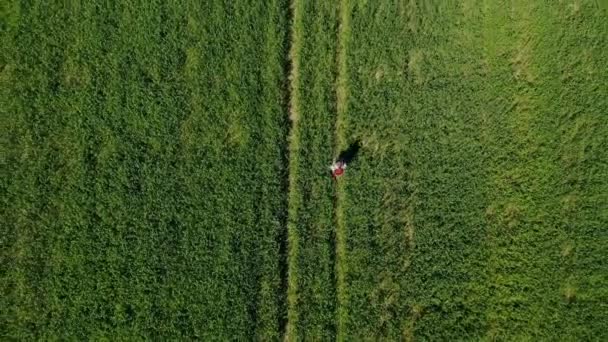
x=350, y=154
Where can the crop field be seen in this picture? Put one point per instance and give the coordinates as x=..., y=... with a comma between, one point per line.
x=479, y=206
x=165, y=170
x=143, y=173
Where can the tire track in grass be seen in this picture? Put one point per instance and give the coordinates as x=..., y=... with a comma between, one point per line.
x=293, y=200
x=306, y=315
x=340, y=144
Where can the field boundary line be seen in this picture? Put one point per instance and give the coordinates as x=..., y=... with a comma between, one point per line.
x=293, y=198
x=340, y=144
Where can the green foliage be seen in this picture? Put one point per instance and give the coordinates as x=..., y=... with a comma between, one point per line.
x=477, y=209
x=143, y=189
x=146, y=194
x=312, y=256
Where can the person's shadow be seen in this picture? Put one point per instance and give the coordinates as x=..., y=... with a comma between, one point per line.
x=350, y=154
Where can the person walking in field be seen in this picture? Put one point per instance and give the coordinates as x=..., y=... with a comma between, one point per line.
x=346, y=156
x=337, y=169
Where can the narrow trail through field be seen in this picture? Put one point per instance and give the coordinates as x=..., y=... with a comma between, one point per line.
x=340, y=144
x=316, y=243
x=294, y=146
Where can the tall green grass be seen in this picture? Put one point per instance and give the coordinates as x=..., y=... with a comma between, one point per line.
x=162, y=178
x=344, y=14
x=312, y=291
x=143, y=174
x=477, y=207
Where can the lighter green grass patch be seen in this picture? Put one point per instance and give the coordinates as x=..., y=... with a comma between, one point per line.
x=524, y=110
x=6, y=73
x=469, y=8
x=569, y=203
x=512, y=214
x=567, y=249
x=521, y=63
x=192, y=26
x=379, y=73
x=408, y=216
x=416, y=312
x=414, y=66
x=573, y=8
x=237, y=134
x=75, y=75
x=569, y=291
x=192, y=64
x=412, y=16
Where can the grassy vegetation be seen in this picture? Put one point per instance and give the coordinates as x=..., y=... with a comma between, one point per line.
x=344, y=13
x=163, y=177
x=312, y=292
x=477, y=208
x=143, y=177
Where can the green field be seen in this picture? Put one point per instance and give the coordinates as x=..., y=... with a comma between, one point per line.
x=164, y=170
x=143, y=175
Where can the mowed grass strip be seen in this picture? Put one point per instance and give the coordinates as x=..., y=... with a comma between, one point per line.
x=312, y=292
x=143, y=171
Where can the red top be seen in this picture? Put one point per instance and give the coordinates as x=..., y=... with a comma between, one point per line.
x=338, y=172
